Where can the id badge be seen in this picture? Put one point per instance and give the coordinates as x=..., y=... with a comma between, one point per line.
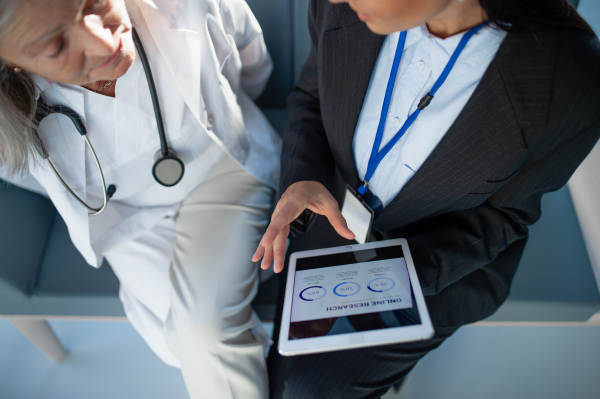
x=358, y=215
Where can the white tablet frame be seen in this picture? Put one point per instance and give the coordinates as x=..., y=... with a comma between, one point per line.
x=423, y=331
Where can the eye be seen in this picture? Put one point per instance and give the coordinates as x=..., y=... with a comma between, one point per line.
x=56, y=46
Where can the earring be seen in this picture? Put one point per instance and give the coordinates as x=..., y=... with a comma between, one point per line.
x=17, y=69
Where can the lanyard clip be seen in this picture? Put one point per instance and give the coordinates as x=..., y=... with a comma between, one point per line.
x=362, y=189
x=424, y=101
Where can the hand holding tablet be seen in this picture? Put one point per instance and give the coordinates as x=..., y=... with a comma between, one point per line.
x=350, y=297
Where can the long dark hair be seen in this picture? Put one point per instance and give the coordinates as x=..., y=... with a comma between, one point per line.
x=537, y=16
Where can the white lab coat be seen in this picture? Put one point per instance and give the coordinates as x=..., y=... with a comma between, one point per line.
x=215, y=51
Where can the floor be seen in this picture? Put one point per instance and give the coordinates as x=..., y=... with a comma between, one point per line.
x=109, y=360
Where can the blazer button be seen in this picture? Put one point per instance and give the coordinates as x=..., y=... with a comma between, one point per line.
x=210, y=120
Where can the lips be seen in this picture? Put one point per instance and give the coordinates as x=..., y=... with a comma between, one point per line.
x=363, y=17
x=112, y=57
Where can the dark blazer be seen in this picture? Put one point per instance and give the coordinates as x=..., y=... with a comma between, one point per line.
x=531, y=121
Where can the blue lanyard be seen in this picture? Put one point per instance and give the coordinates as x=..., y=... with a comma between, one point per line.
x=377, y=156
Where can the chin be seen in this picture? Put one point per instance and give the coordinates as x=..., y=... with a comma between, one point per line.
x=126, y=61
x=128, y=56
x=125, y=65
x=379, y=29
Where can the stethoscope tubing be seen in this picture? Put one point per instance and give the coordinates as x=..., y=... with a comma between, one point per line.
x=95, y=211
x=153, y=95
x=44, y=110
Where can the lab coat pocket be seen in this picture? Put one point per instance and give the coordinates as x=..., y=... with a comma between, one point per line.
x=227, y=58
x=220, y=45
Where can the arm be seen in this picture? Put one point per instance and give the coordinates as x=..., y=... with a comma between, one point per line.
x=451, y=246
x=242, y=26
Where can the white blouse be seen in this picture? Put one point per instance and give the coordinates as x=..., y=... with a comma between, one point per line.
x=424, y=58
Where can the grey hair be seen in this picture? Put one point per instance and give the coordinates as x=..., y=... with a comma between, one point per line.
x=18, y=138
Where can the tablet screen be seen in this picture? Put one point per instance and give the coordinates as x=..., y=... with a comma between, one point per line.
x=346, y=292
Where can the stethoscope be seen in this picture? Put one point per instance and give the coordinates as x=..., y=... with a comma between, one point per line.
x=167, y=170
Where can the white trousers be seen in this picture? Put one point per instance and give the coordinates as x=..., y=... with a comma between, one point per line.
x=191, y=301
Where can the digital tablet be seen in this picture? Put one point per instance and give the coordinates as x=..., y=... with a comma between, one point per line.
x=352, y=296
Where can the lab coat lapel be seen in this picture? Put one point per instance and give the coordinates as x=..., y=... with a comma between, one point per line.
x=179, y=40
x=485, y=144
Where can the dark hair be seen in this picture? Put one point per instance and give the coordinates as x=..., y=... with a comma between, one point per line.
x=537, y=16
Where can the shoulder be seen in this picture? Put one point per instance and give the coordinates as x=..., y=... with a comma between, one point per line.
x=577, y=79
x=552, y=80
x=578, y=61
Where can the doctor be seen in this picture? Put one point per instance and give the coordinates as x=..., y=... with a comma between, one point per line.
x=181, y=253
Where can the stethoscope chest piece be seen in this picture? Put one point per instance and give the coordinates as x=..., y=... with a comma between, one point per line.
x=168, y=169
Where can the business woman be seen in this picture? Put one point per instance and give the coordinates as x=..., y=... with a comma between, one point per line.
x=186, y=207
x=515, y=116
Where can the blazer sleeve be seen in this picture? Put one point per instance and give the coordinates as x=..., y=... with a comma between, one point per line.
x=306, y=154
x=448, y=247
x=243, y=29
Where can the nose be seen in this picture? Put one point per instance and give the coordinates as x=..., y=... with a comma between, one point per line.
x=97, y=40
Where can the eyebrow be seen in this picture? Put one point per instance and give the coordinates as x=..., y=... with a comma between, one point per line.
x=51, y=33
x=47, y=35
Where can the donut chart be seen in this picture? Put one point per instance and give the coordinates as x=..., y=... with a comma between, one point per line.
x=346, y=289
x=312, y=293
x=381, y=284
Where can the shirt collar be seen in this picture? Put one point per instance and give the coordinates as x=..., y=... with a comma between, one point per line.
x=482, y=45
x=41, y=83
x=412, y=36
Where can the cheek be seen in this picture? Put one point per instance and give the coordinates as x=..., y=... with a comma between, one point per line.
x=118, y=14
x=66, y=68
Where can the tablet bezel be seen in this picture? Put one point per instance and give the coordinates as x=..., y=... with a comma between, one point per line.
x=423, y=331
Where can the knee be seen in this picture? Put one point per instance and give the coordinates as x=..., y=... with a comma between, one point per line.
x=208, y=329
x=184, y=329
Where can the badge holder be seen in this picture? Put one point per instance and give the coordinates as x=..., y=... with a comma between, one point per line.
x=359, y=216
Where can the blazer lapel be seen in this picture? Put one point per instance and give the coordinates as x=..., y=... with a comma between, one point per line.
x=348, y=55
x=485, y=145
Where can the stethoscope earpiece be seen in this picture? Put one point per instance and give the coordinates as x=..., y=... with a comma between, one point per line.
x=168, y=169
